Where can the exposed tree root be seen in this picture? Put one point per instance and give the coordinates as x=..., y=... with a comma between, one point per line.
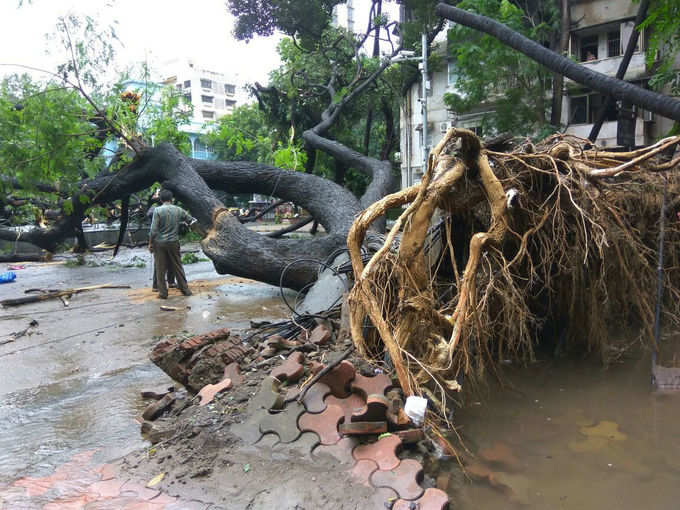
x=560, y=234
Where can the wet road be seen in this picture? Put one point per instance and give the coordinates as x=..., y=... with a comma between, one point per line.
x=73, y=384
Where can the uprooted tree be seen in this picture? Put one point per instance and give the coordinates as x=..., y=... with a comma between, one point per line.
x=491, y=245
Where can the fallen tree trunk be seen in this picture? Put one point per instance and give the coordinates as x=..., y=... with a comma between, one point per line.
x=53, y=294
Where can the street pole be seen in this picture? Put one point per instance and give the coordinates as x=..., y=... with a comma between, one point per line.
x=423, y=100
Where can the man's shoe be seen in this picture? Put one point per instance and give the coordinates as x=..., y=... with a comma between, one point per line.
x=172, y=285
x=188, y=293
x=155, y=289
x=162, y=297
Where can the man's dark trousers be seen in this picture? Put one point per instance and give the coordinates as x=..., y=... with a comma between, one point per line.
x=167, y=256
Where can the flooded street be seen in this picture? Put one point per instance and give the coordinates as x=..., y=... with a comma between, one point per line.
x=74, y=384
x=572, y=435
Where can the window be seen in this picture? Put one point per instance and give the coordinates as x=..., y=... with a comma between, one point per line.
x=187, y=97
x=453, y=73
x=614, y=43
x=207, y=99
x=187, y=84
x=589, y=48
x=229, y=89
x=208, y=115
x=585, y=109
x=206, y=84
x=229, y=103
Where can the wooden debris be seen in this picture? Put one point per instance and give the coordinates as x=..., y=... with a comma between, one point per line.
x=54, y=294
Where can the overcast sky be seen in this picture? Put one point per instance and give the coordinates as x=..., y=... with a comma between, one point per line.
x=153, y=30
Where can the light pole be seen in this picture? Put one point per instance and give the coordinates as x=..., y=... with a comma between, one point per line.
x=407, y=55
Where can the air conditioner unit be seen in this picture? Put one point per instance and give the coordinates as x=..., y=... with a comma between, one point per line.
x=444, y=126
x=647, y=116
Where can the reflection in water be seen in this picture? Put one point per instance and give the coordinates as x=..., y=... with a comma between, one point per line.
x=582, y=437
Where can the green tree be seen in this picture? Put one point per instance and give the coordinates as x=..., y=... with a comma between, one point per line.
x=663, y=23
x=515, y=87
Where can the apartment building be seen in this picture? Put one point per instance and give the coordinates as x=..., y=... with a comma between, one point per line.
x=212, y=93
x=600, y=31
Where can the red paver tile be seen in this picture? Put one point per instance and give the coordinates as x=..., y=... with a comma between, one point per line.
x=499, y=454
x=341, y=451
x=383, y=452
x=107, y=488
x=362, y=471
x=432, y=499
x=291, y=369
x=410, y=436
x=135, y=490
x=325, y=424
x=71, y=503
x=376, y=385
x=209, y=391
x=348, y=405
x=362, y=428
x=339, y=379
x=314, y=399
x=404, y=479
x=315, y=367
x=284, y=424
x=233, y=372
x=320, y=335
x=106, y=472
x=374, y=410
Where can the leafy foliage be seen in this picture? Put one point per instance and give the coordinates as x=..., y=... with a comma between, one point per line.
x=489, y=72
x=664, y=41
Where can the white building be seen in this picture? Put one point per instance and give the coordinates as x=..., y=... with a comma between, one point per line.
x=212, y=93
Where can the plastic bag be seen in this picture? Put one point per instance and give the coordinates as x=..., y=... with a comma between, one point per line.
x=7, y=277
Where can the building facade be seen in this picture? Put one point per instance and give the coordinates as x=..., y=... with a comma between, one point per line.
x=599, y=33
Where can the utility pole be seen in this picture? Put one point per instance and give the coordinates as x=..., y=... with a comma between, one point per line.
x=423, y=100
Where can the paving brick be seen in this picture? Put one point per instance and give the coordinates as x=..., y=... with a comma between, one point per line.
x=284, y=423
x=302, y=446
x=374, y=410
x=325, y=424
x=410, y=436
x=362, y=471
x=321, y=335
x=233, y=372
x=291, y=369
x=314, y=399
x=432, y=499
x=404, y=479
x=208, y=392
x=362, y=428
x=315, y=367
x=339, y=379
x=376, y=385
x=107, y=488
x=156, y=409
x=249, y=430
x=348, y=405
x=341, y=451
x=383, y=452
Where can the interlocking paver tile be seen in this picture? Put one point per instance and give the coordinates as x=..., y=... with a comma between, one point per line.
x=348, y=405
x=410, y=436
x=267, y=441
x=382, y=498
x=325, y=424
x=320, y=335
x=376, y=385
x=291, y=369
x=107, y=488
x=302, y=446
x=404, y=479
x=208, y=392
x=249, y=430
x=339, y=379
x=314, y=398
x=383, y=452
x=362, y=471
x=432, y=499
x=268, y=396
x=374, y=410
x=362, y=428
x=342, y=450
x=283, y=423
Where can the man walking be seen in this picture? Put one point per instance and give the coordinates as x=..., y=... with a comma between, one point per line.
x=164, y=243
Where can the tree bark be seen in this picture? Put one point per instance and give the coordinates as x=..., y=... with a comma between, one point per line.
x=652, y=101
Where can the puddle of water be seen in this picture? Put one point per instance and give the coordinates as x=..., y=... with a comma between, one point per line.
x=41, y=428
x=578, y=436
